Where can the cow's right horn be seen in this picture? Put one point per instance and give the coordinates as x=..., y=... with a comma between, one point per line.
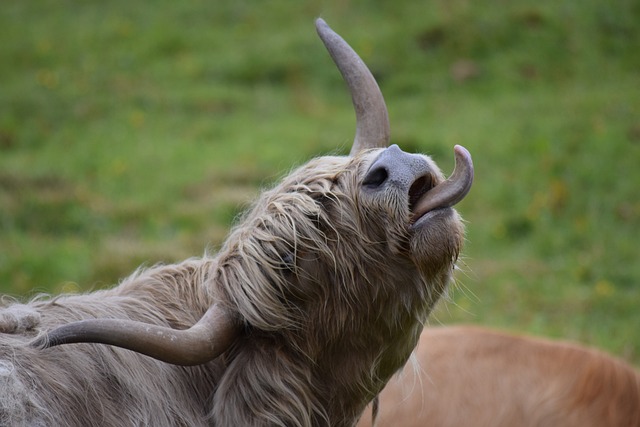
x=207, y=339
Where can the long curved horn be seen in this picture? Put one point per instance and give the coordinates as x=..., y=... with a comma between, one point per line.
x=201, y=343
x=372, y=119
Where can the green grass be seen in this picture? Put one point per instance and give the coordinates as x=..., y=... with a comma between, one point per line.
x=134, y=133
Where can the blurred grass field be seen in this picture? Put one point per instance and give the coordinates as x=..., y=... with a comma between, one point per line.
x=134, y=132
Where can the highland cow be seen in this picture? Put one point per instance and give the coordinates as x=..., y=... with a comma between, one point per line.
x=472, y=376
x=317, y=297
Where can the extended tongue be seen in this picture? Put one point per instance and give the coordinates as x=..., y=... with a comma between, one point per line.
x=453, y=189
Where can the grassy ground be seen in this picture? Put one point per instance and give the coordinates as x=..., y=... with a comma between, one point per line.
x=134, y=133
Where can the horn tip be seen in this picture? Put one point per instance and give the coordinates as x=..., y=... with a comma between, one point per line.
x=322, y=28
x=320, y=23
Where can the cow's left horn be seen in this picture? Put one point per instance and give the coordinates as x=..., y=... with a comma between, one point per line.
x=372, y=119
x=207, y=339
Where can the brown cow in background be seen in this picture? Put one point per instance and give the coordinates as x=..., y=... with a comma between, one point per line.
x=474, y=377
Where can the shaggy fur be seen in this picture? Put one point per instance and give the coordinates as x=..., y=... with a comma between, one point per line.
x=469, y=376
x=332, y=284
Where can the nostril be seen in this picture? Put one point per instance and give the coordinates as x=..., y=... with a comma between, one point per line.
x=419, y=188
x=376, y=177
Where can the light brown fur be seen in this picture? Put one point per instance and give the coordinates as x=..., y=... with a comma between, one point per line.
x=332, y=288
x=470, y=376
x=324, y=287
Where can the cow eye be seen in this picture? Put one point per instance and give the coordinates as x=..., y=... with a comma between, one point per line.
x=288, y=261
